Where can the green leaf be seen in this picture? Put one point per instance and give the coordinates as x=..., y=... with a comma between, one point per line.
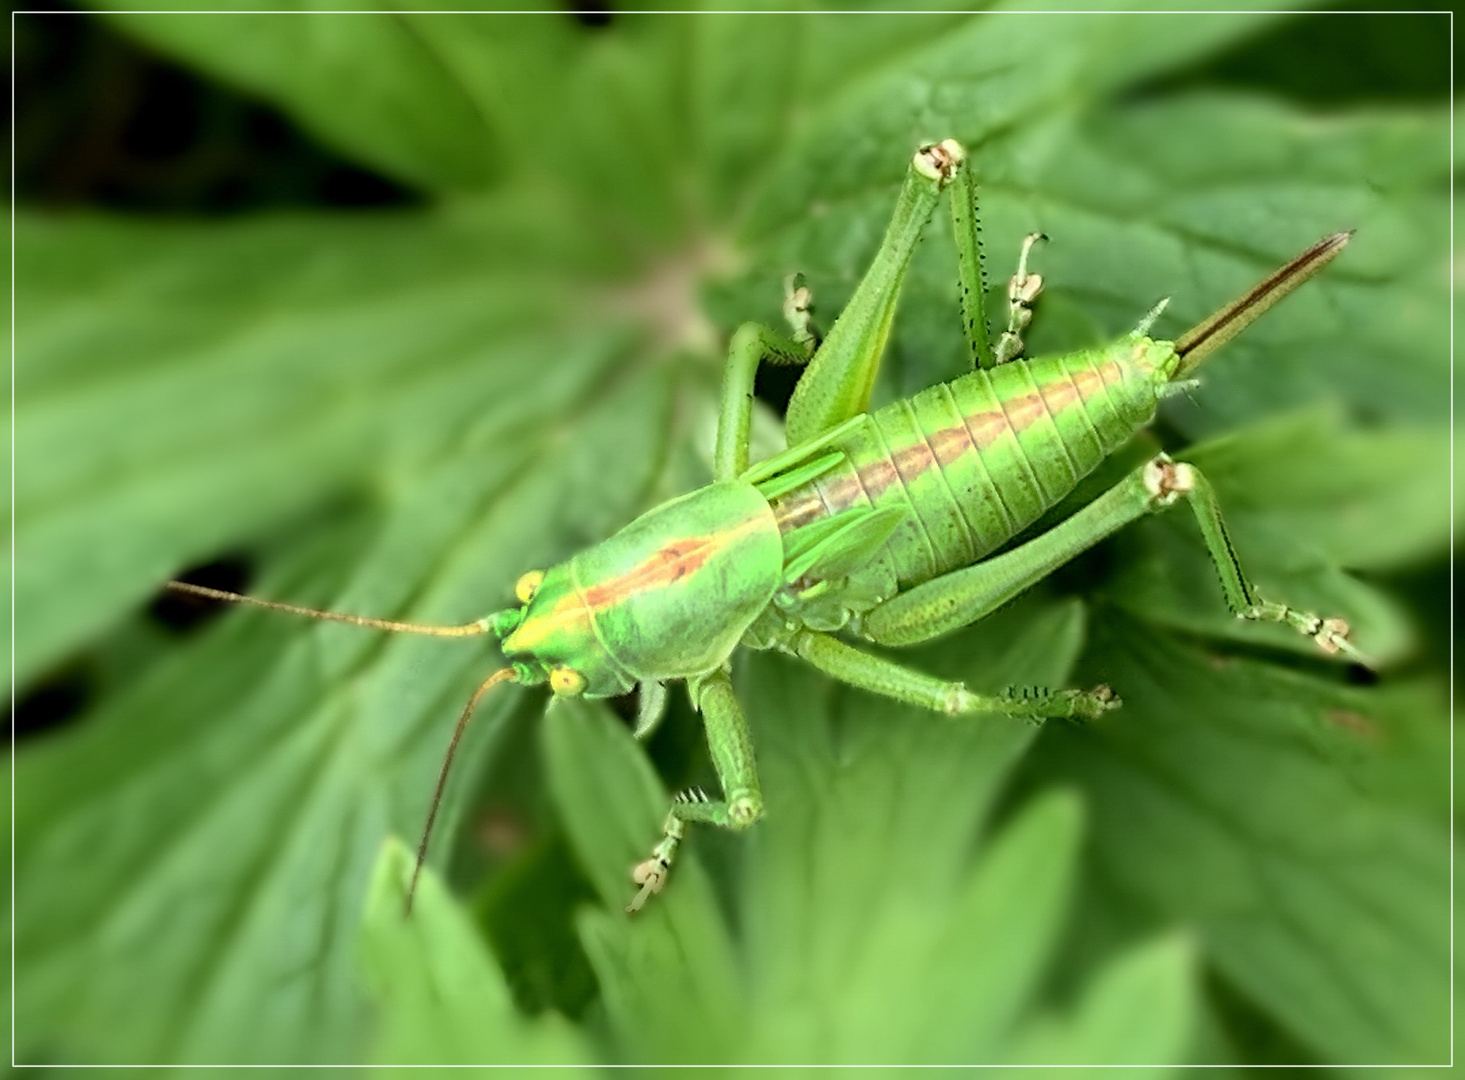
x=1368, y=333
x=189, y=388
x=442, y=1001
x=1304, y=497
x=399, y=413
x=866, y=935
x=405, y=113
x=251, y=777
x=1328, y=484
x=527, y=909
x=1136, y=1012
x=1223, y=797
x=679, y=951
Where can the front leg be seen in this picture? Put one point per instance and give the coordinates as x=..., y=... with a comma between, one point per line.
x=732, y=755
x=751, y=345
x=1022, y=291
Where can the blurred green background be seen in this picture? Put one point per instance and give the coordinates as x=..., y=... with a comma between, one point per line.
x=375, y=312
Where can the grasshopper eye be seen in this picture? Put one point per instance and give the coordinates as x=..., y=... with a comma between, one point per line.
x=528, y=585
x=567, y=682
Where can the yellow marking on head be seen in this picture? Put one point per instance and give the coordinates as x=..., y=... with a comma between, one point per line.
x=542, y=626
x=528, y=585
x=566, y=682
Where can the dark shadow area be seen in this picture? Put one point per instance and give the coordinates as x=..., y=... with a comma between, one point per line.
x=1244, y=1024
x=595, y=16
x=774, y=385
x=53, y=702
x=1389, y=58
x=101, y=121
x=184, y=613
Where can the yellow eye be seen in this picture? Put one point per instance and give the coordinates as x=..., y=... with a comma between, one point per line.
x=528, y=585
x=566, y=682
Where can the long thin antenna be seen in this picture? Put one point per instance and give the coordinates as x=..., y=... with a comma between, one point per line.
x=442, y=777
x=395, y=627
x=1210, y=334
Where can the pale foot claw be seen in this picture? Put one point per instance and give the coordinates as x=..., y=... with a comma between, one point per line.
x=1092, y=704
x=1332, y=638
x=651, y=875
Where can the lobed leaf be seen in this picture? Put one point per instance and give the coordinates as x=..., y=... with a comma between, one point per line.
x=397, y=414
x=1134, y=1015
x=192, y=859
x=405, y=113
x=1223, y=799
x=442, y=1000
x=186, y=388
x=866, y=936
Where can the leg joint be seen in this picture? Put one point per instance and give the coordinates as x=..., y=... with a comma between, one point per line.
x=939, y=161
x=747, y=337
x=1166, y=480
x=958, y=700
x=743, y=808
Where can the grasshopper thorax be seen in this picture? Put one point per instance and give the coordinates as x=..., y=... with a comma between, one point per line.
x=667, y=597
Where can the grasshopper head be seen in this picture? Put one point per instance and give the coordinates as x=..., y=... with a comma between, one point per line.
x=552, y=638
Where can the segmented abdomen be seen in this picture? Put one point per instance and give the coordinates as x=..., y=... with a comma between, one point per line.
x=976, y=460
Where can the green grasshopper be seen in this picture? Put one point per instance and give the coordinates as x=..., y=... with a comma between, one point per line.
x=879, y=526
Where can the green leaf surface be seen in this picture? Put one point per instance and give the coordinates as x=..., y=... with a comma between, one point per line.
x=1330, y=484
x=398, y=413
x=441, y=999
x=188, y=387
x=404, y=113
x=1223, y=798
x=1306, y=498
x=249, y=780
x=867, y=936
x=1136, y=1013
x=680, y=951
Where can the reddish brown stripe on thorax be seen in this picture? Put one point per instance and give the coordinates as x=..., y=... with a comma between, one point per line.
x=663, y=568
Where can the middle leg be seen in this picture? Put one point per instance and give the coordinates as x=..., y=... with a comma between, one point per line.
x=889, y=679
